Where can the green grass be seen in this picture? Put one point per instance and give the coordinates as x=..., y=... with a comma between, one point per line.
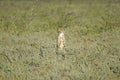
x=28, y=35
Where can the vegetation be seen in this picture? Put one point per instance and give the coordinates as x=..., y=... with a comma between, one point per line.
x=28, y=35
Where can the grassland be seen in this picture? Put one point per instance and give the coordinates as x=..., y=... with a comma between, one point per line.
x=28, y=35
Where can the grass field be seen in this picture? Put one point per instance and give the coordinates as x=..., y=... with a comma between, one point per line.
x=28, y=35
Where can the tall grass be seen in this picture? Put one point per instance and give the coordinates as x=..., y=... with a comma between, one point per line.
x=28, y=36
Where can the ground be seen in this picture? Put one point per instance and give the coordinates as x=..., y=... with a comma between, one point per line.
x=28, y=31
